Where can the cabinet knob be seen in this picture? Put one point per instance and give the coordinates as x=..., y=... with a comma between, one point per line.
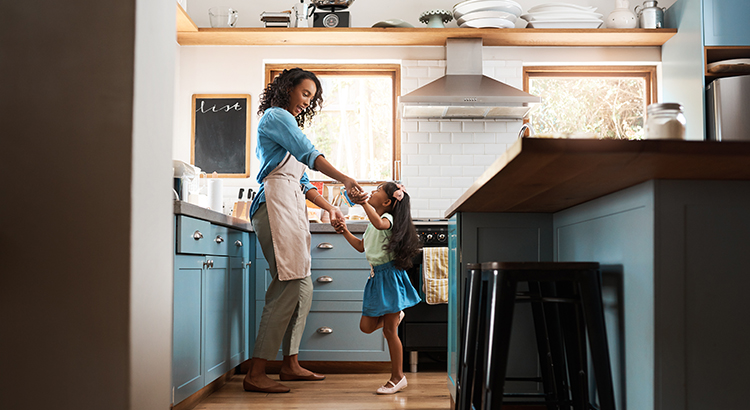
x=197, y=235
x=325, y=330
x=219, y=239
x=325, y=245
x=238, y=243
x=248, y=264
x=325, y=279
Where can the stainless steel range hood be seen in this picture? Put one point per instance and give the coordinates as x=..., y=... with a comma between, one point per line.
x=464, y=93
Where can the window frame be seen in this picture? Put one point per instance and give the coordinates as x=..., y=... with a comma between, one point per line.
x=391, y=70
x=647, y=72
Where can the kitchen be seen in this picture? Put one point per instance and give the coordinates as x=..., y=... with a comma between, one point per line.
x=70, y=323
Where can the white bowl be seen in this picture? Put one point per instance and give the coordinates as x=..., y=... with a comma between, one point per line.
x=566, y=24
x=469, y=6
x=486, y=14
x=488, y=23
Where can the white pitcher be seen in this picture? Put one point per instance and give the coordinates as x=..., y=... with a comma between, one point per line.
x=302, y=12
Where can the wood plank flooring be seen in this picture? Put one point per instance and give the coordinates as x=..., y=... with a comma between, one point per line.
x=426, y=391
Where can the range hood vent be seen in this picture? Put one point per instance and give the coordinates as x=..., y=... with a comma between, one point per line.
x=464, y=93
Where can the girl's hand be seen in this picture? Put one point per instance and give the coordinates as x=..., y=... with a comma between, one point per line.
x=352, y=187
x=336, y=217
x=340, y=227
x=358, y=197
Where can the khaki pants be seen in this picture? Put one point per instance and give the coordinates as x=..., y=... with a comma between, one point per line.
x=287, y=302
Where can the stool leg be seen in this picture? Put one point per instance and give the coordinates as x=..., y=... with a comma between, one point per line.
x=544, y=348
x=575, y=345
x=469, y=339
x=557, y=345
x=591, y=295
x=500, y=304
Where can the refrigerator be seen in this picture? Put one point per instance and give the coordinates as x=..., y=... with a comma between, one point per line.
x=728, y=109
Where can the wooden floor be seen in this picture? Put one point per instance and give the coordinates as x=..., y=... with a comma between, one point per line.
x=426, y=391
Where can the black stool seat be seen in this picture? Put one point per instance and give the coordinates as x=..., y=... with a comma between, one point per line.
x=566, y=306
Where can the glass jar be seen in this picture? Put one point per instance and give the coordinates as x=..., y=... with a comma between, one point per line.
x=665, y=121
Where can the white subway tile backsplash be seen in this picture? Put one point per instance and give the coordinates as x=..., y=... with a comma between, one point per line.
x=462, y=160
x=440, y=138
x=484, y=138
x=442, y=158
x=462, y=138
x=429, y=126
x=473, y=126
x=451, y=126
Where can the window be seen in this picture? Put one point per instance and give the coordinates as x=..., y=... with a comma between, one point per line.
x=607, y=101
x=355, y=128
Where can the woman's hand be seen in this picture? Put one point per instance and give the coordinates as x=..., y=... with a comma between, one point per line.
x=337, y=218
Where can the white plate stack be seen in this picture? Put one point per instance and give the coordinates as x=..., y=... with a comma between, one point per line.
x=487, y=13
x=562, y=15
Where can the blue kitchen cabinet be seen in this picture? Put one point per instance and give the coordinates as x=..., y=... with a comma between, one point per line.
x=339, y=274
x=212, y=291
x=725, y=23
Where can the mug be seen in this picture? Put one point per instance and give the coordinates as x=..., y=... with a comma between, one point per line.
x=222, y=16
x=302, y=12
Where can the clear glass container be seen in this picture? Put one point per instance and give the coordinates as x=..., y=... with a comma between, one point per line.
x=665, y=121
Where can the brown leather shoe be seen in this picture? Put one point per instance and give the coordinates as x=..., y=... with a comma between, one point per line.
x=274, y=388
x=293, y=377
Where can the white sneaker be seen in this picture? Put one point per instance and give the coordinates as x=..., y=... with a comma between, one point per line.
x=393, y=388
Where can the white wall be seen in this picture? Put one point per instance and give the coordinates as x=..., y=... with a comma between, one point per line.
x=440, y=159
x=365, y=13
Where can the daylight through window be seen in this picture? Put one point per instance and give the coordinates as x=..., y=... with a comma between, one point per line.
x=609, y=102
x=355, y=127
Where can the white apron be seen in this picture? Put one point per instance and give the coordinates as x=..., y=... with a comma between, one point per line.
x=287, y=217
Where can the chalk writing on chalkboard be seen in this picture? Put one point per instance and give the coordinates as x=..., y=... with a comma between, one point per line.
x=221, y=134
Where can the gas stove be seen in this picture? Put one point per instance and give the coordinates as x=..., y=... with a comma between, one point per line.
x=432, y=232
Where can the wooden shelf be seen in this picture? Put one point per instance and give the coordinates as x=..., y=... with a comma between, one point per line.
x=188, y=34
x=424, y=37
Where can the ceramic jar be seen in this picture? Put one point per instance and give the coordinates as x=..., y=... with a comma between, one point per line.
x=622, y=17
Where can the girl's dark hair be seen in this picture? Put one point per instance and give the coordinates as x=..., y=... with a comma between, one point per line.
x=404, y=242
x=277, y=92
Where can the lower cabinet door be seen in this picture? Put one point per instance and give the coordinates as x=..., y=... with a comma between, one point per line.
x=216, y=335
x=187, y=374
x=237, y=310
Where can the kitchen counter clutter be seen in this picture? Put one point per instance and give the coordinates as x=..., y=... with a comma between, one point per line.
x=195, y=211
x=549, y=175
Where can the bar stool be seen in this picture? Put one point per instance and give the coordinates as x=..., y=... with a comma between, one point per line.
x=566, y=306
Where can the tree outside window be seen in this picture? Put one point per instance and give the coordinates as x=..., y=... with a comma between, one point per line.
x=607, y=101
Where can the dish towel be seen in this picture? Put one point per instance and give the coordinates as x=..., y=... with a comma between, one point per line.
x=435, y=275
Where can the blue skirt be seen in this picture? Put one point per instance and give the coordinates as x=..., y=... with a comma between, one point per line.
x=388, y=290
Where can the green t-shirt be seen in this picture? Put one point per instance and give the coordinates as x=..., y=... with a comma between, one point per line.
x=374, y=240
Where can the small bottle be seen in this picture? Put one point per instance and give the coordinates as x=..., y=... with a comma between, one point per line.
x=665, y=121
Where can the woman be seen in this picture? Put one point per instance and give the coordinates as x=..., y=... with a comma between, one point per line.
x=279, y=217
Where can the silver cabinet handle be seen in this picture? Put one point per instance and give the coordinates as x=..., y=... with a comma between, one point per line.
x=325, y=330
x=238, y=243
x=325, y=279
x=325, y=245
x=208, y=263
x=247, y=265
x=197, y=235
x=219, y=239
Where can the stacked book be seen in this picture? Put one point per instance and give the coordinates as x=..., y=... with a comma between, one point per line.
x=276, y=19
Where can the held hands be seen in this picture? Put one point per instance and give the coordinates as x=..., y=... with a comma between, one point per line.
x=337, y=219
x=340, y=226
x=355, y=192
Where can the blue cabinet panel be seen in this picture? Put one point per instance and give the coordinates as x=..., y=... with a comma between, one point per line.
x=725, y=22
x=193, y=235
x=216, y=335
x=187, y=371
x=238, y=314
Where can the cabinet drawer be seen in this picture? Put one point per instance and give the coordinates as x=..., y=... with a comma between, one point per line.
x=344, y=342
x=334, y=280
x=226, y=241
x=193, y=235
x=333, y=246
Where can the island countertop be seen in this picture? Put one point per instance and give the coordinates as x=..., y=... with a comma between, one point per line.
x=549, y=175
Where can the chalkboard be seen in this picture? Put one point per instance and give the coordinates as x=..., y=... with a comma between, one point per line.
x=221, y=134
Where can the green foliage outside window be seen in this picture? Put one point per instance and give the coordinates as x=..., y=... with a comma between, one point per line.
x=355, y=126
x=608, y=107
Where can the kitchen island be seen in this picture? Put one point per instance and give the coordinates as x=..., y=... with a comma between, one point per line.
x=670, y=223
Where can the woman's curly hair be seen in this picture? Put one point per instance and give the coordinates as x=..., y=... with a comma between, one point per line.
x=277, y=92
x=404, y=243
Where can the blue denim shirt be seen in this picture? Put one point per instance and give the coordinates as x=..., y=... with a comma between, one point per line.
x=278, y=133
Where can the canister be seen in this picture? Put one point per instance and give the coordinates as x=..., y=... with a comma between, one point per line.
x=665, y=121
x=650, y=15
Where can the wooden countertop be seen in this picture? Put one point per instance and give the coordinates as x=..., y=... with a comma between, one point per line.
x=549, y=175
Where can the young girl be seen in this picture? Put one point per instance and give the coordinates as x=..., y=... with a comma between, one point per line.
x=389, y=243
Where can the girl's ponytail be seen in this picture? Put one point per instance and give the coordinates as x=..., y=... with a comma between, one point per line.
x=404, y=243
